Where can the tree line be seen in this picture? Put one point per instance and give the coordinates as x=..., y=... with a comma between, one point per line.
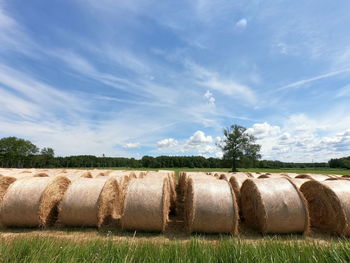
x=340, y=163
x=20, y=153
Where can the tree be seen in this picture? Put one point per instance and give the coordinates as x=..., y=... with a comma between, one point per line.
x=13, y=151
x=238, y=145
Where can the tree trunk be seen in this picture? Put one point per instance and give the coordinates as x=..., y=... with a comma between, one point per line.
x=234, y=168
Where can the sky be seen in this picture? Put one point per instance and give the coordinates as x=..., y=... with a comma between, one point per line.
x=142, y=77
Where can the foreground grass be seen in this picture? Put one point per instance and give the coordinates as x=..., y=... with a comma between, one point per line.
x=44, y=249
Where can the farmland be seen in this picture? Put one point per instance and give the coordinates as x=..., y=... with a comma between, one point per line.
x=142, y=239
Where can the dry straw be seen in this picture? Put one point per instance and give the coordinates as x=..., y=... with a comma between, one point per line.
x=329, y=205
x=298, y=182
x=273, y=175
x=5, y=182
x=91, y=202
x=33, y=201
x=146, y=205
x=274, y=206
x=211, y=207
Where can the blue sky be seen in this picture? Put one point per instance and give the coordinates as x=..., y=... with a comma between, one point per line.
x=130, y=78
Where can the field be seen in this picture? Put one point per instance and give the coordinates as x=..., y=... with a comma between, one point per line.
x=109, y=244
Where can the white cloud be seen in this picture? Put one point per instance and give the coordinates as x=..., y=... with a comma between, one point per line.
x=167, y=143
x=132, y=145
x=198, y=138
x=229, y=87
x=209, y=96
x=262, y=130
x=242, y=23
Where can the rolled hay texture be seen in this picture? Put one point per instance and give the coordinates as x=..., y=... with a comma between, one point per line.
x=236, y=182
x=33, y=201
x=211, y=207
x=273, y=175
x=299, y=182
x=91, y=202
x=146, y=205
x=329, y=205
x=274, y=205
x=172, y=184
x=316, y=177
x=5, y=182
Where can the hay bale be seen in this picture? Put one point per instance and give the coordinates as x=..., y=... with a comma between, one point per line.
x=274, y=205
x=33, y=201
x=316, y=177
x=146, y=205
x=211, y=207
x=91, y=202
x=329, y=207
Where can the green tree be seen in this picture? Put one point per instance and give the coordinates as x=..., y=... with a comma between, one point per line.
x=14, y=151
x=238, y=145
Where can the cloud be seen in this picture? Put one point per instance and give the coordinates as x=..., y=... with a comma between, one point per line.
x=242, y=23
x=209, y=96
x=312, y=79
x=262, y=130
x=132, y=145
x=167, y=143
x=198, y=138
x=229, y=87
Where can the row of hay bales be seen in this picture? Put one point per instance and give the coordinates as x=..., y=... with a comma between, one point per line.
x=266, y=202
x=212, y=202
x=30, y=198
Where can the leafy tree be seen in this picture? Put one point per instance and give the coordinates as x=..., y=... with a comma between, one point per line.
x=13, y=151
x=238, y=145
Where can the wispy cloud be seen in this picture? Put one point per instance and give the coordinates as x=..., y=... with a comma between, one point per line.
x=312, y=79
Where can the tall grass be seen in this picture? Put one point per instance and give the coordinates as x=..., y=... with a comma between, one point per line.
x=38, y=249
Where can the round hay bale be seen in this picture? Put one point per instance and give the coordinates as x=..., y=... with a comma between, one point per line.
x=91, y=202
x=211, y=207
x=329, y=207
x=33, y=201
x=316, y=177
x=146, y=205
x=274, y=205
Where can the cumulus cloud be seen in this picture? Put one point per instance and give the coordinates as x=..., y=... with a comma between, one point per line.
x=167, y=143
x=262, y=130
x=132, y=145
x=198, y=138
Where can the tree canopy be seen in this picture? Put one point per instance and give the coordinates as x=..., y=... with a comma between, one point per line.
x=238, y=145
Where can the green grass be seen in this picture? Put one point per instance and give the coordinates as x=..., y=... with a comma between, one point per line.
x=36, y=249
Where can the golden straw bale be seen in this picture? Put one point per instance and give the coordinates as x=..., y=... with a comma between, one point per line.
x=316, y=177
x=273, y=175
x=329, y=205
x=146, y=205
x=210, y=207
x=33, y=201
x=91, y=202
x=274, y=205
